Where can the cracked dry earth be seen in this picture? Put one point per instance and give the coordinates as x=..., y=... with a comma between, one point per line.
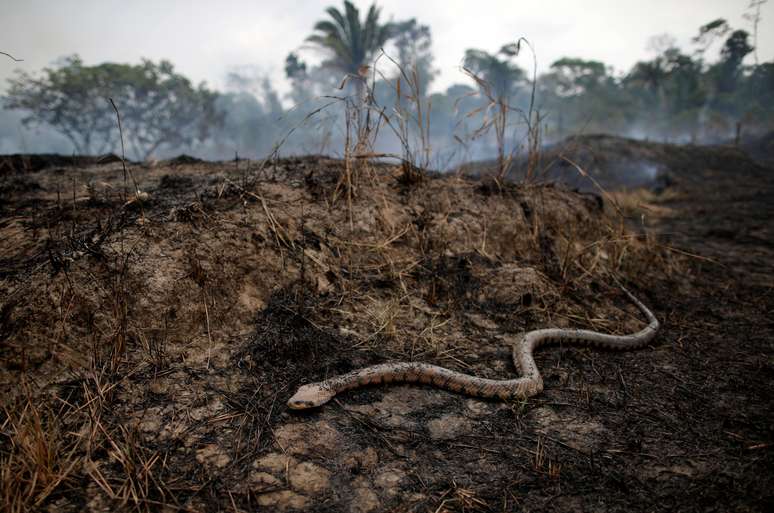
x=157, y=345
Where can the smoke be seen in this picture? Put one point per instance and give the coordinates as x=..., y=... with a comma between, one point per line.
x=256, y=118
x=16, y=138
x=646, y=171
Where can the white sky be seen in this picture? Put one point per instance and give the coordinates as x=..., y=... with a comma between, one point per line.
x=205, y=39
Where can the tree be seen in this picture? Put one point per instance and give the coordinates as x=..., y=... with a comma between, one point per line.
x=650, y=75
x=301, y=87
x=294, y=66
x=577, y=76
x=724, y=77
x=70, y=98
x=732, y=54
x=158, y=106
x=350, y=43
x=414, y=44
x=757, y=97
x=682, y=86
x=497, y=70
x=580, y=92
x=709, y=33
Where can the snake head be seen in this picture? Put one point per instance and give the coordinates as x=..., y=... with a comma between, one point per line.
x=310, y=396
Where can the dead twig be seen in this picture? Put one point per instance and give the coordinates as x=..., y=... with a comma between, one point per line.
x=12, y=57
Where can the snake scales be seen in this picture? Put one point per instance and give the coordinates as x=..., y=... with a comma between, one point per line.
x=530, y=383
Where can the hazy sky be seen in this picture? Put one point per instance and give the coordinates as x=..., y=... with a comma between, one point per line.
x=206, y=39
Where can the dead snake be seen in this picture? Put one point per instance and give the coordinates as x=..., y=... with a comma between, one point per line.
x=530, y=383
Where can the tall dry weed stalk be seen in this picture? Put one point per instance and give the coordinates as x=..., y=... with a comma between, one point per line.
x=410, y=122
x=496, y=114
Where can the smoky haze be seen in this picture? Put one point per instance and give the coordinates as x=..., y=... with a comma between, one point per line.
x=623, y=68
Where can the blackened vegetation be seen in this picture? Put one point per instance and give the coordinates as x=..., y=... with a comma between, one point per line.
x=287, y=345
x=550, y=262
x=176, y=182
x=762, y=149
x=183, y=160
x=684, y=424
x=18, y=185
x=617, y=162
x=288, y=349
x=451, y=283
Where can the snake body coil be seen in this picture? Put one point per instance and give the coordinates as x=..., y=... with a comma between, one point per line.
x=530, y=383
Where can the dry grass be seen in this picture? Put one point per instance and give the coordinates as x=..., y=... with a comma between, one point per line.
x=44, y=454
x=458, y=498
x=640, y=204
x=166, y=320
x=496, y=115
x=38, y=455
x=136, y=483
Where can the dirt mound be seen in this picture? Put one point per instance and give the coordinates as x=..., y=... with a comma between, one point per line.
x=589, y=162
x=182, y=159
x=150, y=346
x=24, y=163
x=614, y=162
x=762, y=149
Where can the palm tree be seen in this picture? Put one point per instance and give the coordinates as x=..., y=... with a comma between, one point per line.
x=350, y=44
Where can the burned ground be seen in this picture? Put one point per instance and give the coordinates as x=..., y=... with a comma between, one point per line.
x=148, y=346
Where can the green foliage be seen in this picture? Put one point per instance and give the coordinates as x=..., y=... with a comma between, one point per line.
x=498, y=70
x=294, y=67
x=674, y=95
x=727, y=72
x=710, y=32
x=677, y=94
x=582, y=93
x=158, y=106
x=349, y=42
x=758, y=93
x=577, y=76
x=71, y=99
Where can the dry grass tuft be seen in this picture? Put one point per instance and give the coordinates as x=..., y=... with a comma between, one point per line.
x=135, y=480
x=38, y=457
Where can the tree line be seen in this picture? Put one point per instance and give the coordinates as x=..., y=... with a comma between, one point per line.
x=678, y=95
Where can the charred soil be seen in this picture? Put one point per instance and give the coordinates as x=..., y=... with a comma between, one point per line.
x=149, y=341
